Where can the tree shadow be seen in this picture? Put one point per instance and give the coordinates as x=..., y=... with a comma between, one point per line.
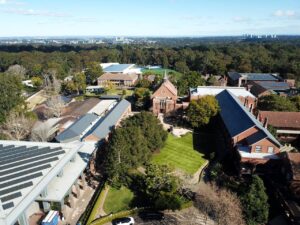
x=204, y=139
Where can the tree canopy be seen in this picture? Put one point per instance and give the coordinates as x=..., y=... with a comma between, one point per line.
x=131, y=145
x=202, y=110
x=11, y=94
x=277, y=103
x=255, y=202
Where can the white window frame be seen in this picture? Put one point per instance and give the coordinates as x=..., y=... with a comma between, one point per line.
x=258, y=148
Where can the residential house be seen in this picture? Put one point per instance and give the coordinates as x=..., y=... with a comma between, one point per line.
x=286, y=124
x=35, y=175
x=242, y=79
x=262, y=88
x=244, y=133
x=117, y=79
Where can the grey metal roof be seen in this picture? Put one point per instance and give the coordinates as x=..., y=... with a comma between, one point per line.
x=237, y=117
x=254, y=76
x=73, y=132
x=20, y=167
x=273, y=85
x=117, y=68
x=234, y=75
x=106, y=124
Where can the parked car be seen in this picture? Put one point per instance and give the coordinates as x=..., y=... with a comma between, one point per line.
x=123, y=221
x=151, y=215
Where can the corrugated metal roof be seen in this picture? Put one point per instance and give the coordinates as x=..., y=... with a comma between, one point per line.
x=73, y=132
x=117, y=68
x=106, y=124
x=237, y=117
x=273, y=85
x=254, y=76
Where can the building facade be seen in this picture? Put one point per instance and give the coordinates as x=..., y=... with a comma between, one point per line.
x=164, y=99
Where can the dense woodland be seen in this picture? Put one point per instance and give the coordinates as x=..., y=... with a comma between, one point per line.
x=212, y=58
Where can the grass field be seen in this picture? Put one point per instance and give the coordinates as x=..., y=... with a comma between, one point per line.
x=180, y=153
x=117, y=200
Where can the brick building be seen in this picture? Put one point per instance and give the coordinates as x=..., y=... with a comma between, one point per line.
x=287, y=124
x=164, y=99
x=244, y=133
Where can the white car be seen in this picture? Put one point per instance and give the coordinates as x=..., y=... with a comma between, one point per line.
x=123, y=221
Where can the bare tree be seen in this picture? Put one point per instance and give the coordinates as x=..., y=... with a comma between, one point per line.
x=17, y=126
x=220, y=205
x=55, y=105
x=52, y=84
x=17, y=70
x=41, y=133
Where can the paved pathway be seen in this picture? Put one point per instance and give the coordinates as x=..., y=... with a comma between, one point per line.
x=101, y=211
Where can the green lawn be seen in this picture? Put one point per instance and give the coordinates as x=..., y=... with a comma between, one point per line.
x=179, y=153
x=161, y=72
x=117, y=200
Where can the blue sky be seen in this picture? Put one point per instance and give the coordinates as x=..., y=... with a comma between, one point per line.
x=148, y=17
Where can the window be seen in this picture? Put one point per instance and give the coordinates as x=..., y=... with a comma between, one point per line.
x=270, y=149
x=257, y=148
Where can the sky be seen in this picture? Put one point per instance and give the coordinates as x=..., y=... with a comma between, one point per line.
x=148, y=17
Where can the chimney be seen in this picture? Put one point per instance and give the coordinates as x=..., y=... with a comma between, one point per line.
x=266, y=122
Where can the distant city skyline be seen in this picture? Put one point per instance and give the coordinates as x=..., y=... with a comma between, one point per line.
x=148, y=18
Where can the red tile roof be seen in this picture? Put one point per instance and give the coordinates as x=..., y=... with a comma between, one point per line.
x=281, y=119
x=170, y=87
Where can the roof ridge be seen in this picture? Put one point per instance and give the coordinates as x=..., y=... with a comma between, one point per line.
x=253, y=119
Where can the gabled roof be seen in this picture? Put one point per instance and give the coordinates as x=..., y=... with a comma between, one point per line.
x=237, y=117
x=118, y=76
x=273, y=85
x=105, y=125
x=170, y=86
x=281, y=119
x=254, y=76
x=256, y=89
x=73, y=132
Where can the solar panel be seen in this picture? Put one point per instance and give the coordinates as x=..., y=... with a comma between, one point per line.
x=20, y=180
x=30, y=161
x=26, y=155
x=8, y=205
x=29, y=158
x=16, y=188
x=28, y=166
x=4, y=148
x=2, y=179
x=10, y=197
x=17, y=151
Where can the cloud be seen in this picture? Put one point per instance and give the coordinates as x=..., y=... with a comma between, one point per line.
x=2, y=2
x=285, y=13
x=33, y=12
x=11, y=2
